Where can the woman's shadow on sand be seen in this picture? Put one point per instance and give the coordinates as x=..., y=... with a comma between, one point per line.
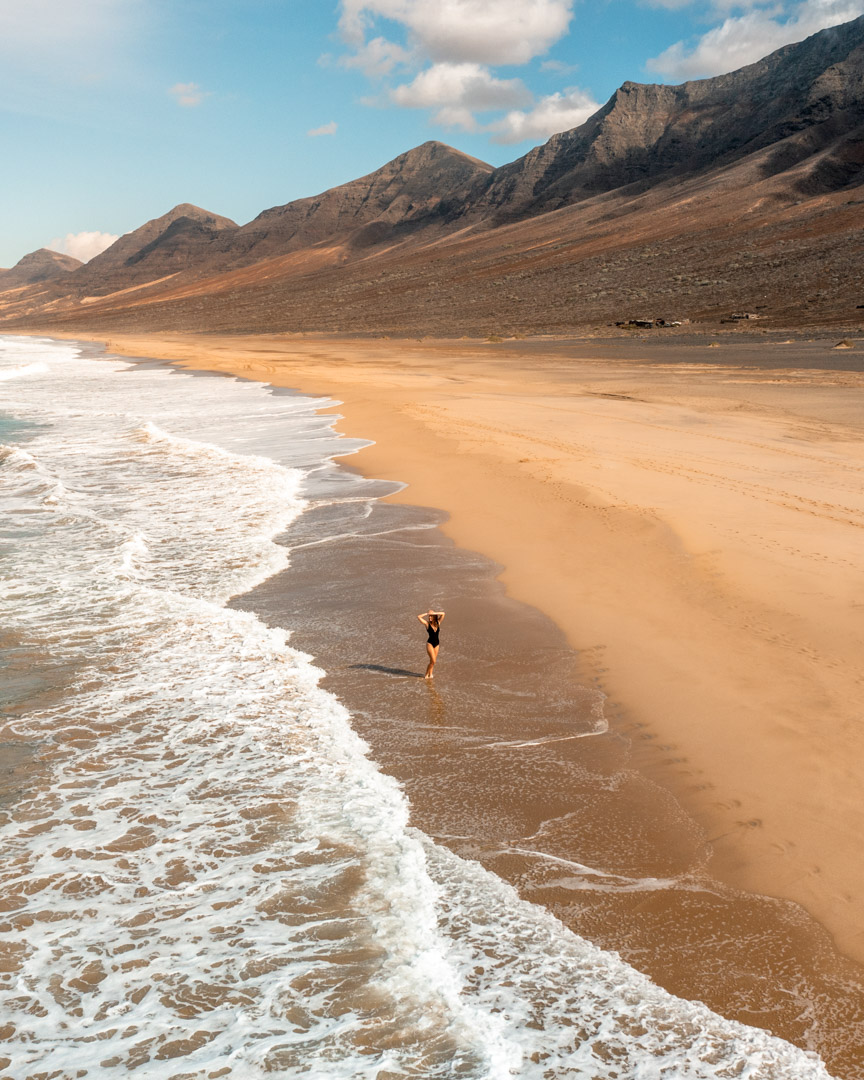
x=381, y=670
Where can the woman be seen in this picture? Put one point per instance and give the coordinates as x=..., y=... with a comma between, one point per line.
x=432, y=621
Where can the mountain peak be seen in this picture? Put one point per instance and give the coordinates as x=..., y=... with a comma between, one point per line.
x=163, y=246
x=424, y=184
x=194, y=213
x=433, y=155
x=804, y=93
x=170, y=231
x=45, y=256
x=40, y=265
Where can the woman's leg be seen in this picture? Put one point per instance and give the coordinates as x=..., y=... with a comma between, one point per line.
x=433, y=656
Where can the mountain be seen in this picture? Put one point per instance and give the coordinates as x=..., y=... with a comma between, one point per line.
x=417, y=188
x=41, y=265
x=744, y=191
x=178, y=240
x=429, y=185
x=803, y=99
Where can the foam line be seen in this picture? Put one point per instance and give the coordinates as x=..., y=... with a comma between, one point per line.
x=539, y=742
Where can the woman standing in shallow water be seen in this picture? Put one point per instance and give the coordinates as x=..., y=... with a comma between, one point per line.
x=432, y=621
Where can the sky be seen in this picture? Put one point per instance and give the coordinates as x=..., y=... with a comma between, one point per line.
x=114, y=111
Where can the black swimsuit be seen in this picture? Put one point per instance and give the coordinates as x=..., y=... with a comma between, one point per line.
x=433, y=634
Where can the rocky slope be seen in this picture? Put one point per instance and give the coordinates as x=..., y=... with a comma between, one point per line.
x=418, y=188
x=804, y=99
x=427, y=186
x=41, y=265
x=177, y=241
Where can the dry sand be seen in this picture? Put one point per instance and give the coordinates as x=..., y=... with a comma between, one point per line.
x=691, y=517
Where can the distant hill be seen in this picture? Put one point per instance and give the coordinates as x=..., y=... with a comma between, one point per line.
x=166, y=245
x=415, y=188
x=41, y=265
x=741, y=191
x=424, y=187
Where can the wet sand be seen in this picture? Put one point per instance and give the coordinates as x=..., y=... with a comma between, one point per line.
x=691, y=518
x=506, y=758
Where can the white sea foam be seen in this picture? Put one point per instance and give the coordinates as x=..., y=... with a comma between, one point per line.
x=213, y=878
x=134, y=552
x=21, y=371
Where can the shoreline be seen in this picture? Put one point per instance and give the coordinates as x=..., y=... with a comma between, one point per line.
x=615, y=493
x=508, y=761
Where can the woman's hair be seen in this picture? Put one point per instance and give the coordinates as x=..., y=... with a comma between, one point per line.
x=433, y=619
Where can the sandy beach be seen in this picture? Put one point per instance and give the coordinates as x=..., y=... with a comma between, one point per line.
x=690, y=516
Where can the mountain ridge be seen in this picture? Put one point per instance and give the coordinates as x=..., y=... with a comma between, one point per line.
x=155, y=249
x=647, y=130
x=401, y=191
x=785, y=131
x=43, y=264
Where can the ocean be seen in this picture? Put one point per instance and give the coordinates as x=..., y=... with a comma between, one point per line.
x=205, y=872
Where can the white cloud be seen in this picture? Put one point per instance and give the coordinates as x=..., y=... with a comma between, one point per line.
x=189, y=94
x=456, y=44
x=325, y=129
x=377, y=57
x=557, y=112
x=744, y=39
x=83, y=245
x=459, y=91
x=457, y=117
x=482, y=31
x=558, y=66
x=470, y=86
x=670, y=5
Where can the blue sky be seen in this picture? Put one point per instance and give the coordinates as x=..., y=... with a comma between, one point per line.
x=113, y=111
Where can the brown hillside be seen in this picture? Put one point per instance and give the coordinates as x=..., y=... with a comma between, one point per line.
x=165, y=245
x=739, y=193
x=41, y=265
x=427, y=186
